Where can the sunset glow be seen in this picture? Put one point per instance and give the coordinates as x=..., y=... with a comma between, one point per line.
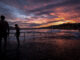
x=56, y=23
x=40, y=13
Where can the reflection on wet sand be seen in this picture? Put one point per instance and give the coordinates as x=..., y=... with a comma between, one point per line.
x=49, y=49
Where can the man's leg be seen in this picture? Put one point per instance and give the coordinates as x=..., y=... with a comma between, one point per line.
x=5, y=41
x=18, y=40
x=0, y=43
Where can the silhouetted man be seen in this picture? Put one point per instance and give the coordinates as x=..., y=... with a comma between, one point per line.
x=17, y=33
x=4, y=31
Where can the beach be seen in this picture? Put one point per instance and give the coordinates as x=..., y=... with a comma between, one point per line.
x=51, y=45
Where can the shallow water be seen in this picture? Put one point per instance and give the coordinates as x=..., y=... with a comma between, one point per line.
x=46, y=33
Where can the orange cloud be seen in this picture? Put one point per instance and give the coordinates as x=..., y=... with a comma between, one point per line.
x=38, y=21
x=68, y=13
x=52, y=13
x=56, y=23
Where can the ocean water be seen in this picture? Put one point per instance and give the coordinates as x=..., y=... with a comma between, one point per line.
x=46, y=33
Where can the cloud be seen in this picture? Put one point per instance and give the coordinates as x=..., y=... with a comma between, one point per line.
x=40, y=11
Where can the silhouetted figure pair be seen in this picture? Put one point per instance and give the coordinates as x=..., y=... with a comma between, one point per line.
x=17, y=33
x=4, y=31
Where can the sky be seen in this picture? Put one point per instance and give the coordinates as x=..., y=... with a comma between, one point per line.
x=40, y=13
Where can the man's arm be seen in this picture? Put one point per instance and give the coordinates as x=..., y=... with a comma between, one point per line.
x=8, y=29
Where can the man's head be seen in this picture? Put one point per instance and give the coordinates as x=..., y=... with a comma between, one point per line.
x=16, y=25
x=2, y=18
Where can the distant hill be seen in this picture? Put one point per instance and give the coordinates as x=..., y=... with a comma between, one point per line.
x=64, y=26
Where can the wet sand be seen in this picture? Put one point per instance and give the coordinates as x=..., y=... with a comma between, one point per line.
x=42, y=49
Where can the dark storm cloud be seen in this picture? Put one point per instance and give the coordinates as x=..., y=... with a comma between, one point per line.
x=50, y=6
x=55, y=21
x=40, y=1
x=10, y=11
x=5, y=10
x=22, y=3
x=44, y=12
x=33, y=24
x=77, y=8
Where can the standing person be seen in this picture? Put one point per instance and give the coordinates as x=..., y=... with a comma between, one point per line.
x=17, y=33
x=4, y=31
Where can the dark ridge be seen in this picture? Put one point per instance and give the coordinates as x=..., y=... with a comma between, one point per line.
x=74, y=26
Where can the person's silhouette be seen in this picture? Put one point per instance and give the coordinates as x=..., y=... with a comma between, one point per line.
x=4, y=31
x=17, y=33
